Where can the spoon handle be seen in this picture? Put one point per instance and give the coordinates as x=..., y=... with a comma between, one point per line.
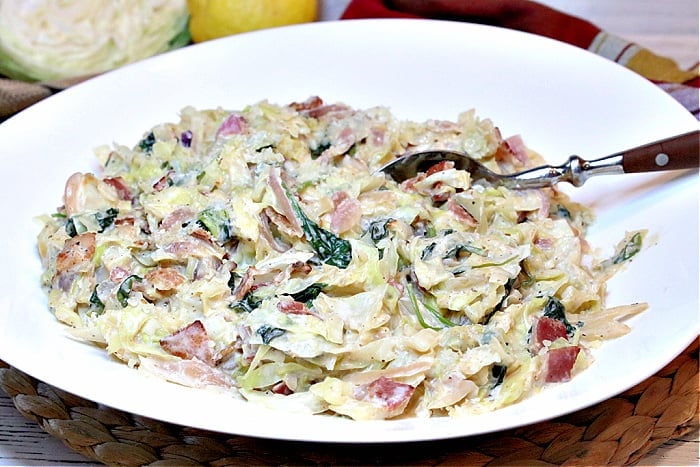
x=678, y=152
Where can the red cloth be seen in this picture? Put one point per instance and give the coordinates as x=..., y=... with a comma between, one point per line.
x=546, y=21
x=359, y=9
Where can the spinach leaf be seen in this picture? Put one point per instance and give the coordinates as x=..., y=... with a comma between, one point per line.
x=146, y=144
x=379, y=229
x=631, y=248
x=457, y=251
x=232, y=280
x=96, y=305
x=74, y=227
x=107, y=218
x=247, y=304
x=419, y=315
x=215, y=220
x=498, y=373
x=526, y=279
x=351, y=150
x=267, y=333
x=330, y=248
x=125, y=289
x=318, y=150
x=427, y=251
x=494, y=263
x=308, y=294
x=414, y=302
x=554, y=309
x=436, y=313
x=508, y=289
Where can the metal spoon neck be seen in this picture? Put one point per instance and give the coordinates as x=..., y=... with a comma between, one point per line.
x=575, y=171
x=579, y=170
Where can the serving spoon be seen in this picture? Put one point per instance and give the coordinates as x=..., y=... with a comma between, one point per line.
x=677, y=152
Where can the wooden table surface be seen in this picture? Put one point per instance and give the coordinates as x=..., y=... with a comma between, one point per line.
x=669, y=28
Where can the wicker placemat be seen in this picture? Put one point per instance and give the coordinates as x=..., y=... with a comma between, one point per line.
x=618, y=431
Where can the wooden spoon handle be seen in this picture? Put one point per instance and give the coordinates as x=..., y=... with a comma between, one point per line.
x=678, y=152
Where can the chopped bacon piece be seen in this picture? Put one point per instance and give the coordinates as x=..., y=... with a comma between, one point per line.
x=246, y=284
x=206, y=268
x=282, y=222
x=77, y=251
x=409, y=184
x=163, y=182
x=189, y=342
x=559, y=363
x=73, y=194
x=86, y=192
x=314, y=107
x=202, y=234
x=392, y=395
x=283, y=204
x=282, y=388
x=267, y=234
x=118, y=274
x=312, y=102
x=125, y=221
x=165, y=278
x=292, y=307
x=440, y=193
x=439, y=167
x=547, y=329
x=378, y=135
x=347, y=212
x=176, y=218
x=343, y=142
x=512, y=149
x=232, y=125
x=544, y=243
x=460, y=212
x=517, y=147
x=118, y=183
x=319, y=112
x=396, y=284
x=184, y=248
x=301, y=268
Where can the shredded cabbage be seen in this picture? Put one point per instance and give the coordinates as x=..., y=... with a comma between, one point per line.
x=42, y=40
x=258, y=251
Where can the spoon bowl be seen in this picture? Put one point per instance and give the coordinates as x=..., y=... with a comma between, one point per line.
x=674, y=153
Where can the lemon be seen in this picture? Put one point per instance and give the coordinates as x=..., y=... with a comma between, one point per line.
x=210, y=19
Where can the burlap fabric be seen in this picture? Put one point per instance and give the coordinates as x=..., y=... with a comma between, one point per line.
x=18, y=95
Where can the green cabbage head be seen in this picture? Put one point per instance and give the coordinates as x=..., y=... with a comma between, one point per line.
x=44, y=40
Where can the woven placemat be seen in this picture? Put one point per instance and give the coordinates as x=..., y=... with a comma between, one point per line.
x=619, y=431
